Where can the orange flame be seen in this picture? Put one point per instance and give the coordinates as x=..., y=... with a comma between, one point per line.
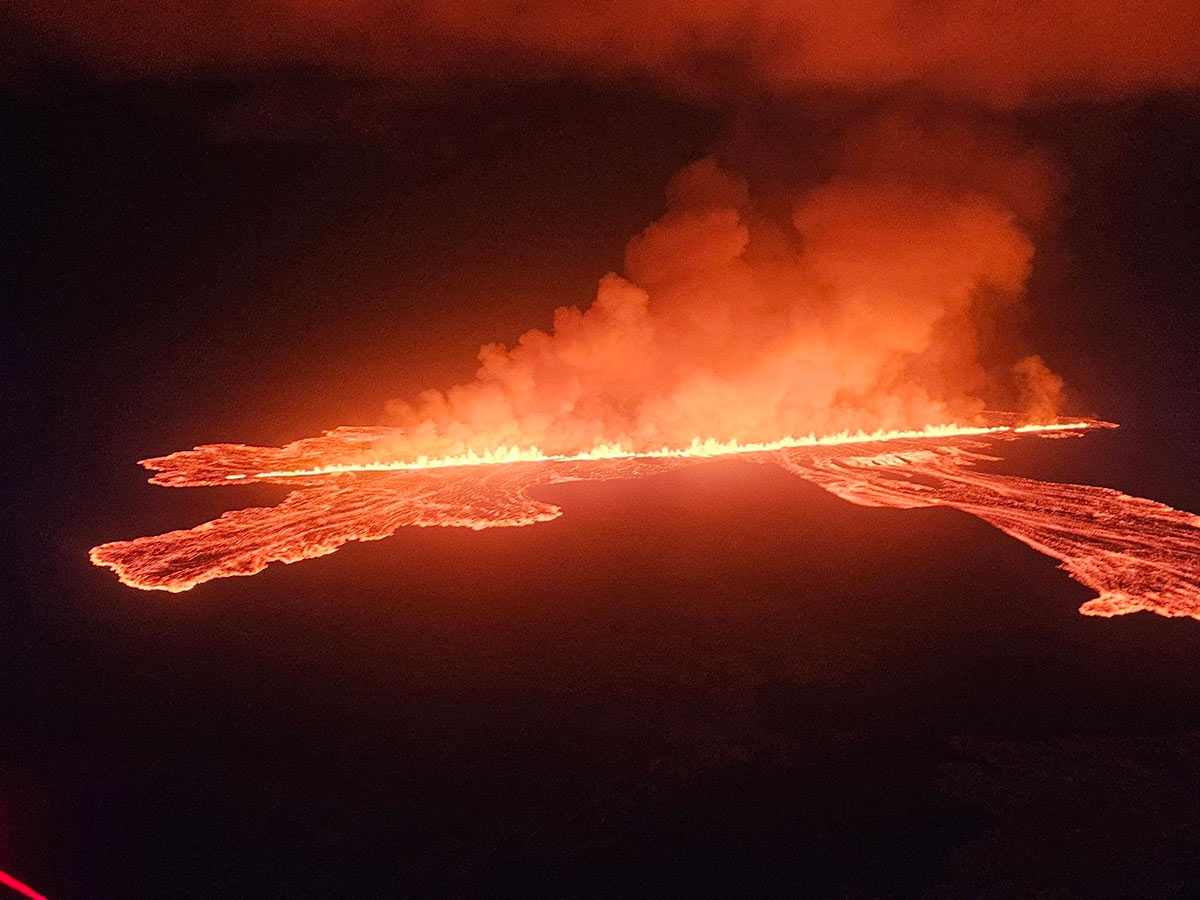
x=709, y=448
x=1136, y=554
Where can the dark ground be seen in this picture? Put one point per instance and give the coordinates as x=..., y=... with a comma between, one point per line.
x=719, y=682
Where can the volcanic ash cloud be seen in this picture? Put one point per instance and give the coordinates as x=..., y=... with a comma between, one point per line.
x=863, y=305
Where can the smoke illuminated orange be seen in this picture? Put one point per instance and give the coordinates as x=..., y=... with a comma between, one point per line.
x=1137, y=554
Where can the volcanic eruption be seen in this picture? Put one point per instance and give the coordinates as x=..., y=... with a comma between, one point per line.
x=848, y=317
x=836, y=349
x=1135, y=553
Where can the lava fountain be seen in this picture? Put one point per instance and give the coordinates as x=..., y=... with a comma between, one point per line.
x=1135, y=553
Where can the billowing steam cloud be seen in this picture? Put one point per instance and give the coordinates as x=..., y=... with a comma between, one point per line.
x=862, y=308
x=998, y=52
x=871, y=298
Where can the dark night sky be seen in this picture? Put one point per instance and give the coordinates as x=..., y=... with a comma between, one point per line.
x=715, y=683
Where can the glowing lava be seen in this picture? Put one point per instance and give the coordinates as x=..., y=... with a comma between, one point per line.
x=709, y=448
x=1137, y=554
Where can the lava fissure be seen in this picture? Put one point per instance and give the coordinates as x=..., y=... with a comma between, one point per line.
x=1135, y=553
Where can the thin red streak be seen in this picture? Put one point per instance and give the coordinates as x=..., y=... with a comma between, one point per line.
x=8, y=881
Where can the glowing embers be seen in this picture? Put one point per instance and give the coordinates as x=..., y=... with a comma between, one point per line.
x=1135, y=553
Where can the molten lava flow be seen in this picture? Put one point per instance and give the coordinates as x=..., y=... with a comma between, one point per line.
x=697, y=449
x=8, y=881
x=1135, y=553
x=349, y=450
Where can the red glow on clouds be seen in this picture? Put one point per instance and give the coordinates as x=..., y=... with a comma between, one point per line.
x=1001, y=52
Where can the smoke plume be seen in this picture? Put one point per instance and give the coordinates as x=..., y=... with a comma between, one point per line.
x=875, y=295
x=864, y=306
x=1003, y=53
x=1041, y=389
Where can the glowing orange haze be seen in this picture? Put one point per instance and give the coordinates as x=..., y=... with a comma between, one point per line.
x=1002, y=52
x=1137, y=554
